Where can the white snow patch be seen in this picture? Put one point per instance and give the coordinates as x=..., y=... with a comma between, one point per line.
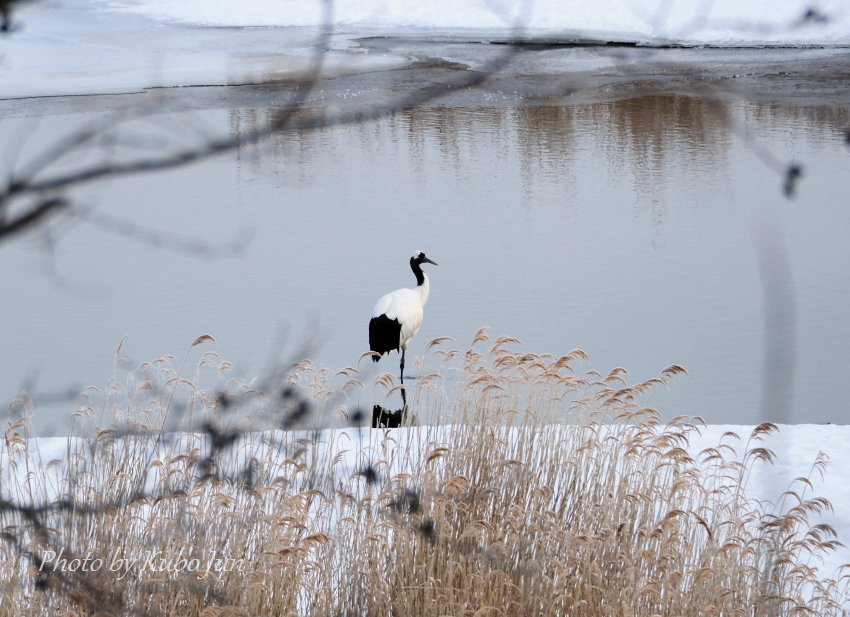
x=723, y=22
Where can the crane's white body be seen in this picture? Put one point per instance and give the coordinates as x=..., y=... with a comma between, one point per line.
x=407, y=307
x=397, y=317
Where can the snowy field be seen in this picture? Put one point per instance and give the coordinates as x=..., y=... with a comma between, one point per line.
x=725, y=22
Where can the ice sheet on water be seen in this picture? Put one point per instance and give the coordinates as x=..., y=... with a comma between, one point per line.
x=97, y=46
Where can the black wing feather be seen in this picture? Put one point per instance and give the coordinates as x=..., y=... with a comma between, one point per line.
x=384, y=335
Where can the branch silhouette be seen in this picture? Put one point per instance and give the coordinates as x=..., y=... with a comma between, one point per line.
x=36, y=178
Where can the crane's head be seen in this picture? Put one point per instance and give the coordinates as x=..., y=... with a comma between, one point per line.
x=419, y=259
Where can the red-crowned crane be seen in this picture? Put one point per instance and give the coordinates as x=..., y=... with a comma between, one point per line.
x=397, y=316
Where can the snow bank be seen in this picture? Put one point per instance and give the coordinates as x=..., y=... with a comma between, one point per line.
x=723, y=22
x=796, y=448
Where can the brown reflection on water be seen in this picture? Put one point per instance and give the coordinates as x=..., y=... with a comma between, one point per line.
x=458, y=132
x=655, y=128
x=654, y=137
x=824, y=124
x=548, y=140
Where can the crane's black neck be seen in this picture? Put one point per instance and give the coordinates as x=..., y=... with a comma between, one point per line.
x=417, y=271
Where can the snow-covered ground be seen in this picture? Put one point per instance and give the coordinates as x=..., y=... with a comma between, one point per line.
x=723, y=22
x=62, y=47
x=796, y=448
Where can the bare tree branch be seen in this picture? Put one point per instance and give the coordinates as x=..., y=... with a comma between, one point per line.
x=31, y=218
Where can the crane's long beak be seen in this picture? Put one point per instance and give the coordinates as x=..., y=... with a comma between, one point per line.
x=429, y=261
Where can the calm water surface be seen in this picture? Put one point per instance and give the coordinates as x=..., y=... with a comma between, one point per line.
x=643, y=229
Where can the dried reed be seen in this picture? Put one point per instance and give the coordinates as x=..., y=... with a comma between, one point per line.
x=540, y=492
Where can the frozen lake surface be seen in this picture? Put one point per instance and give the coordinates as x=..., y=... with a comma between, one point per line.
x=85, y=46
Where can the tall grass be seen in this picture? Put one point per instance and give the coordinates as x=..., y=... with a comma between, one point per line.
x=548, y=493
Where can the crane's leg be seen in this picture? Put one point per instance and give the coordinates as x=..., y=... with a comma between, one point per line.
x=401, y=370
